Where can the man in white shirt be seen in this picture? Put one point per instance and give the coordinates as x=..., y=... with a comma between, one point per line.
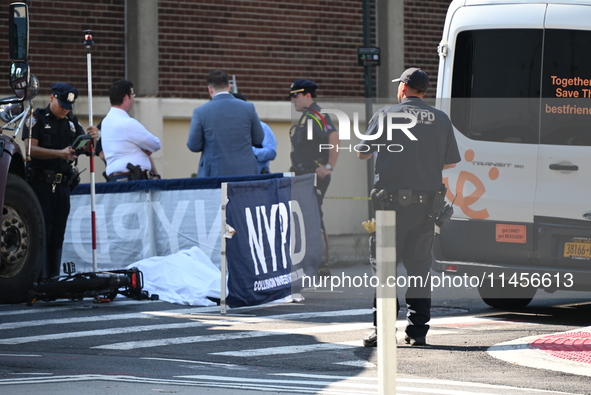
x=126, y=143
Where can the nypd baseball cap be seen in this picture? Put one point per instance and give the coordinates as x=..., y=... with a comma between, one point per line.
x=66, y=94
x=415, y=78
x=302, y=86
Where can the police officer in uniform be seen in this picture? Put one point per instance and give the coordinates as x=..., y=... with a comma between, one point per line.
x=409, y=181
x=50, y=169
x=306, y=155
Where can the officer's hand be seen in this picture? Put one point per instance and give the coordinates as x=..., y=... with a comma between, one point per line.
x=67, y=153
x=93, y=132
x=322, y=172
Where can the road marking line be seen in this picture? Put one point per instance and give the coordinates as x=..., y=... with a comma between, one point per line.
x=179, y=313
x=231, y=336
x=104, y=332
x=36, y=309
x=242, y=383
x=371, y=384
x=225, y=365
x=298, y=349
x=91, y=318
x=440, y=382
x=357, y=364
x=277, y=381
x=325, y=376
x=182, y=340
x=188, y=383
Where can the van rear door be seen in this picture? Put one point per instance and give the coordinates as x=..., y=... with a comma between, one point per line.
x=562, y=208
x=490, y=88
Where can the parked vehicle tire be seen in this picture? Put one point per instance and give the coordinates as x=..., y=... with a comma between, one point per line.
x=22, y=241
x=505, y=296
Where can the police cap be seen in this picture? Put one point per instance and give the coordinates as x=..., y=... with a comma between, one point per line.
x=66, y=94
x=415, y=78
x=302, y=86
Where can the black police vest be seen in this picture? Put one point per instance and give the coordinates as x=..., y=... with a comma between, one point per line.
x=309, y=152
x=53, y=133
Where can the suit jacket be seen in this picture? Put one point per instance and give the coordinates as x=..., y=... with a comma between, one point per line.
x=224, y=130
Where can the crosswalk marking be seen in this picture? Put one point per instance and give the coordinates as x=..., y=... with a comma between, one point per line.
x=235, y=327
x=258, y=352
x=182, y=340
x=212, y=382
x=92, y=318
x=231, y=325
x=360, y=363
x=104, y=332
x=67, y=307
x=179, y=313
x=200, y=318
x=230, y=336
x=348, y=384
x=296, y=383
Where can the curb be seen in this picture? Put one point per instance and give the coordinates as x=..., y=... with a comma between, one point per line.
x=568, y=352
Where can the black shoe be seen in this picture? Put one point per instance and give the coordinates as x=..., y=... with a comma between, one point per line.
x=416, y=341
x=371, y=340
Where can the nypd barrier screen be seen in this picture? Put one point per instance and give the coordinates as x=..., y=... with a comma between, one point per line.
x=158, y=218
x=273, y=238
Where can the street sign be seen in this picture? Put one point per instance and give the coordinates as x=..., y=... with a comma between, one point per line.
x=368, y=56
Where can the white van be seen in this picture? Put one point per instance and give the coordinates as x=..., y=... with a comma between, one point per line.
x=515, y=78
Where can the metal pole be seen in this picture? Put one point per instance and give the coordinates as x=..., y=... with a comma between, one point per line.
x=88, y=43
x=368, y=99
x=386, y=300
x=223, y=261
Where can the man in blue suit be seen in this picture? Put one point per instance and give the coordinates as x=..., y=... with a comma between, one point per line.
x=224, y=130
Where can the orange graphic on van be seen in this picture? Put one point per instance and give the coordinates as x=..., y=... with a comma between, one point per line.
x=465, y=178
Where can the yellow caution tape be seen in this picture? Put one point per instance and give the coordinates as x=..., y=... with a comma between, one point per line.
x=346, y=197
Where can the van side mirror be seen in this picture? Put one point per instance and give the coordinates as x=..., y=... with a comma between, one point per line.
x=18, y=31
x=19, y=76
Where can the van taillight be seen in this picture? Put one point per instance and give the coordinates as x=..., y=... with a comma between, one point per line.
x=451, y=268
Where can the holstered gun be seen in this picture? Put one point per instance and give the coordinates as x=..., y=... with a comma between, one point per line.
x=379, y=199
x=136, y=172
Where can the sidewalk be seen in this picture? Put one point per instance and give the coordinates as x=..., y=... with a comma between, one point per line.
x=567, y=352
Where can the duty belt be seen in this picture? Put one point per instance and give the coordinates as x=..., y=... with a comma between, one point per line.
x=51, y=177
x=131, y=176
x=119, y=173
x=410, y=198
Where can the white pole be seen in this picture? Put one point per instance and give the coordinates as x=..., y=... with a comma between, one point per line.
x=223, y=250
x=386, y=300
x=88, y=43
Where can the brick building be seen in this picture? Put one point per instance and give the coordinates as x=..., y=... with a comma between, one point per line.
x=265, y=43
x=167, y=48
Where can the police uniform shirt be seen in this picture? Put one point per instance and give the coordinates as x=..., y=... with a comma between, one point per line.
x=307, y=151
x=53, y=133
x=403, y=163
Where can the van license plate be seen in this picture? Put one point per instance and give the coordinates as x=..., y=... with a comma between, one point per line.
x=577, y=250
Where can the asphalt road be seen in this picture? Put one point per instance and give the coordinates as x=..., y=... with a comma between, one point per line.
x=312, y=347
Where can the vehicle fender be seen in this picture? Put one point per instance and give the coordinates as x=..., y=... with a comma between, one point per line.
x=10, y=162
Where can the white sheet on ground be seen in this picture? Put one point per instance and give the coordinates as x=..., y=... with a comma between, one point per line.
x=187, y=277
